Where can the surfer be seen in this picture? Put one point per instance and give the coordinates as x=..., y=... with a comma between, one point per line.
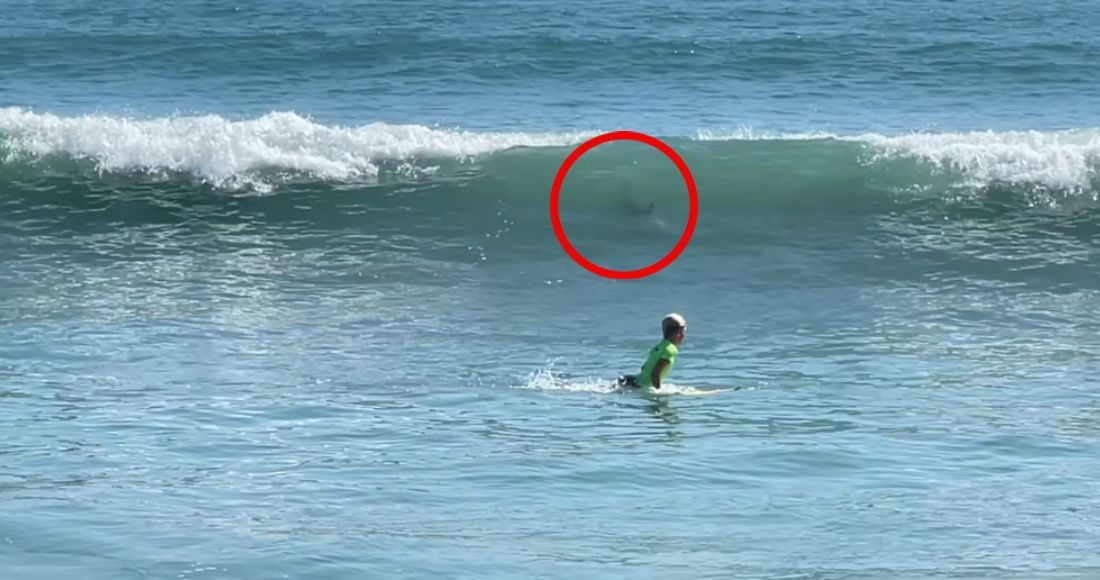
x=661, y=356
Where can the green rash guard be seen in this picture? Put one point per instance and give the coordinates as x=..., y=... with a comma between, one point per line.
x=663, y=350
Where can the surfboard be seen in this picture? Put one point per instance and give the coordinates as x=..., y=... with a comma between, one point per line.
x=684, y=390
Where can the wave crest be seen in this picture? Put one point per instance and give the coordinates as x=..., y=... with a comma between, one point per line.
x=281, y=146
x=225, y=152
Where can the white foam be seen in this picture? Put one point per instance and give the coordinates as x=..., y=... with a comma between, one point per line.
x=224, y=151
x=546, y=380
x=1067, y=160
x=750, y=134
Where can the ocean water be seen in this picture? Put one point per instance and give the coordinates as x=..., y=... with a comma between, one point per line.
x=280, y=296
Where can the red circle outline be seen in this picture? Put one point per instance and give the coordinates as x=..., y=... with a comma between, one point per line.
x=689, y=228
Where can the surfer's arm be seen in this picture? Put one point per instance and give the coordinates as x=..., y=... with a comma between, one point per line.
x=655, y=376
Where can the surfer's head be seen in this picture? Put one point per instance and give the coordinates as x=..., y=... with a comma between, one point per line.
x=673, y=327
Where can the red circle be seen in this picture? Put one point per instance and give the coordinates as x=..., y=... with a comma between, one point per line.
x=689, y=228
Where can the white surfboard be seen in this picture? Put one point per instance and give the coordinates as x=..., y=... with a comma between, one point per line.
x=668, y=390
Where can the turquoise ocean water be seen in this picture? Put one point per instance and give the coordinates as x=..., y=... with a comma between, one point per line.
x=280, y=298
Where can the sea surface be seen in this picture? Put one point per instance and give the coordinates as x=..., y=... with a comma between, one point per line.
x=280, y=296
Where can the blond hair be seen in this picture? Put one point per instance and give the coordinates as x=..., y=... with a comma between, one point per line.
x=671, y=324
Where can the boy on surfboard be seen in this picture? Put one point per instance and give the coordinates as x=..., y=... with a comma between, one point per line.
x=661, y=356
